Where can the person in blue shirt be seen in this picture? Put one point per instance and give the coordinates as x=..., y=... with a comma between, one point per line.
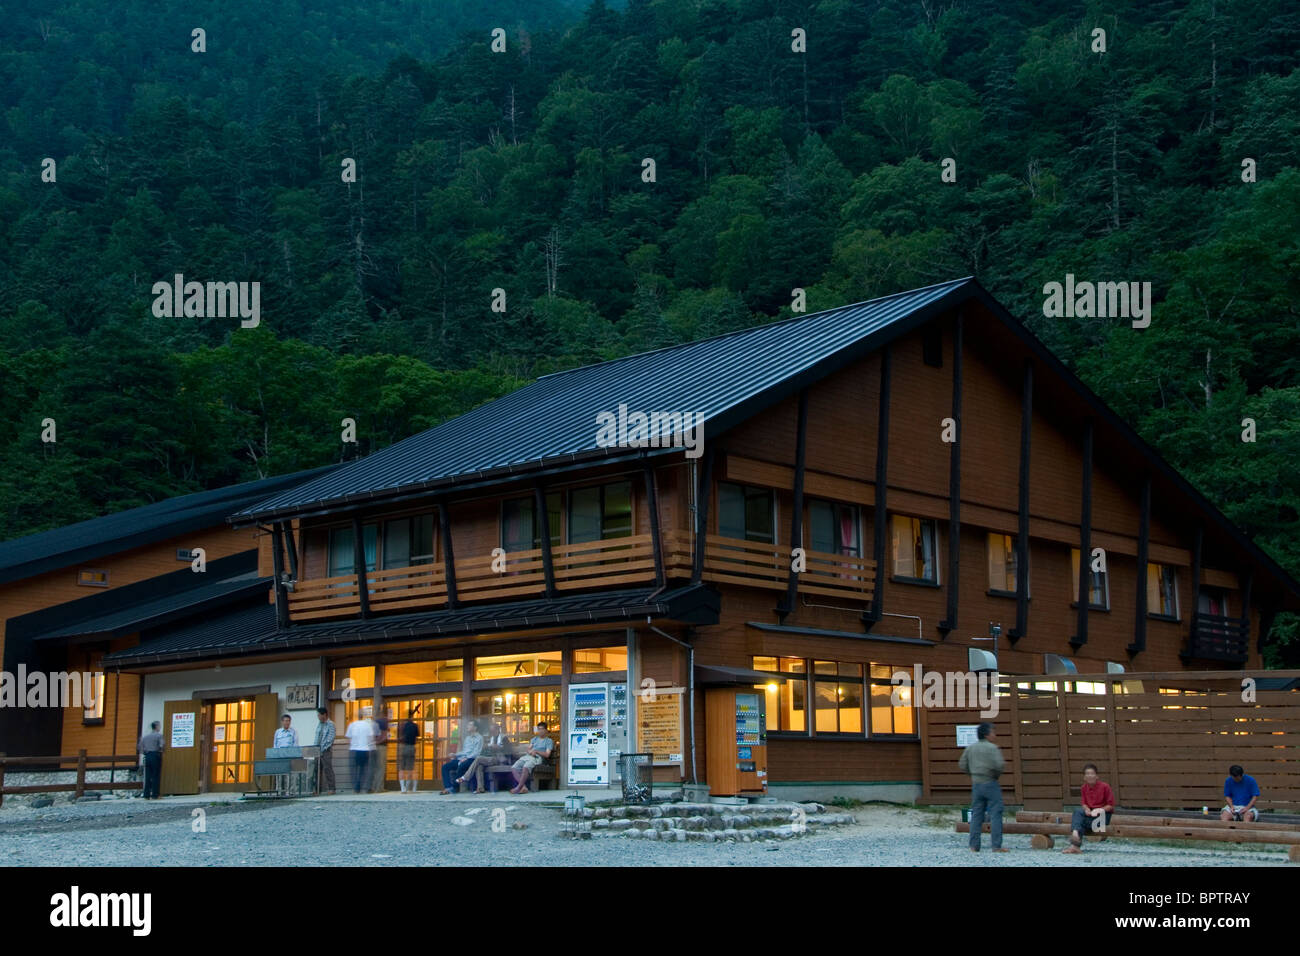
x=1242, y=793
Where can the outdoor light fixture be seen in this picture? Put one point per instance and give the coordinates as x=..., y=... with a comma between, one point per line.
x=1056, y=664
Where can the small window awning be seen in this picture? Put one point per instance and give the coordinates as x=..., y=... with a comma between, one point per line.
x=713, y=676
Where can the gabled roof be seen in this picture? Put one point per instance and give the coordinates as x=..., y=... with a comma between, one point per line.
x=553, y=420
x=87, y=540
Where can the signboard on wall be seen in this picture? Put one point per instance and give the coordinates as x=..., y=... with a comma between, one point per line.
x=659, y=725
x=967, y=734
x=182, y=730
x=301, y=696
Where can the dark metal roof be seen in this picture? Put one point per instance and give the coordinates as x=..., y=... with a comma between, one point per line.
x=111, y=534
x=253, y=631
x=715, y=676
x=554, y=419
x=137, y=617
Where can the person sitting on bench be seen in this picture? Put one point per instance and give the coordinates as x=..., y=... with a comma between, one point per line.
x=470, y=747
x=539, y=749
x=496, y=751
x=1242, y=792
x=1095, y=800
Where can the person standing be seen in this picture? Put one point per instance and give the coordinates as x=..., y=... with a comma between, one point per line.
x=361, y=738
x=325, y=733
x=151, y=746
x=983, y=761
x=286, y=735
x=407, y=735
x=1095, y=799
x=379, y=752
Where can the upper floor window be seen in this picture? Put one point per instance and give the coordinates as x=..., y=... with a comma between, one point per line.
x=600, y=511
x=519, y=525
x=1002, y=563
x=408, y=541
x=92, y=578
x=1213, y=601
x=1098, y=588
x=746, y=512
x=916, y=552
x=342, y=544
x=834, y=528
x=1162, y=590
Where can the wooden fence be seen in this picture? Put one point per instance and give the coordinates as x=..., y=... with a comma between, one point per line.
x=82, y=763
x=1161, y=740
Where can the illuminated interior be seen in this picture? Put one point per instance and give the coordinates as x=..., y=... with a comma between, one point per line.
x=232, y=743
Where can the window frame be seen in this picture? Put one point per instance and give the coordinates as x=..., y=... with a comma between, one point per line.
x=1074, y=586
x=815, y=679
x=871, y=682
x=836, y=506
x=933, y=524
x=1160, y=615
x=790, y=677
x=566, y=507
x=988, y=554
x=745, y=490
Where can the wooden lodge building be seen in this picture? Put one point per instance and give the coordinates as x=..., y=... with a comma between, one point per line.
x=419, y=578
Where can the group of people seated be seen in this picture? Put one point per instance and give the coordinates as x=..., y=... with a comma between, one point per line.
x=478, y=753
x=1097, y=801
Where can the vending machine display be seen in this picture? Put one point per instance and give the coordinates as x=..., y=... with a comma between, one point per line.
x=735, y=723
x=587, y=752
x=618, y=728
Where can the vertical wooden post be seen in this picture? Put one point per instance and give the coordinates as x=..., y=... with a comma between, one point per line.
x=359, y=566
x=954, y=487
x=448, y=555
x=1144, y=549
x=796, y=516
x=277, y=569
x=543, y=525
x=1017, y=779
x=81, y=774
x=880, y=527
x=1022, y=533
x=117, y=700
x=652, y=505
x=702, y=492
x=1085, y=540
x=291, y=548
x=1112, y=744
x=923, y=724
x=1063, y=731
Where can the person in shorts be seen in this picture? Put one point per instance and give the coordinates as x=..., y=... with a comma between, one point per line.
x=407, y=735
x=539, y=748
x=1242, y=793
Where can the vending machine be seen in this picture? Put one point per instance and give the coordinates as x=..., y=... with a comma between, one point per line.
x=619, y=728
x=587, y=750
x=736, y=730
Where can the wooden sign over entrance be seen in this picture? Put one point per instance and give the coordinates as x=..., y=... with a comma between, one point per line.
x=659, y=725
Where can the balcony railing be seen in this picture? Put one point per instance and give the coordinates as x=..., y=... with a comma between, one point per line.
x=613, y=562
x=1214, y=637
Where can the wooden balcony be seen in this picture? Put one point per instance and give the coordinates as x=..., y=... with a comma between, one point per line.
x=1218, y=638
x=593, y=565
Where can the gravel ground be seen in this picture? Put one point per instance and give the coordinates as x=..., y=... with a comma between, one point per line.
x=425, y=830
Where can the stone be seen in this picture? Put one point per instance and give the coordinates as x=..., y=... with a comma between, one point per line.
x=600, y=812
x=600, y=824
x=620, y=824
x=40, y=802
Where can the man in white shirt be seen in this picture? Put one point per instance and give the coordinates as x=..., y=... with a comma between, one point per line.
x=361, y=737
x=286, y=736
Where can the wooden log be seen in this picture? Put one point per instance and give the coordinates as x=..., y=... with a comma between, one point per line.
x=1212, y=823
x=1041, y=841
x=81, y=773
x=1155, y=833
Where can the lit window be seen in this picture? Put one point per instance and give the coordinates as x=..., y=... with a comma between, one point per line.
x=92, y=578
x=594, y=660
x=838, y=697
x=1099, y=588
x=1002, y=563
x=915, y=549
x=1162, y=590
x=787, y=703
x=540, y=664
x=886, y=717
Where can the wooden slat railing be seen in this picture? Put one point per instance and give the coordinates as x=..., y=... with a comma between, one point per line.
x=611, y=562
x=123, y=762
x=1214, y=637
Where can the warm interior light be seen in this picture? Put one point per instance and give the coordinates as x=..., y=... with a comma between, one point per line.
x=772, y=688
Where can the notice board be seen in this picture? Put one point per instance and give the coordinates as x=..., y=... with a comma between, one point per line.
x=659, y=725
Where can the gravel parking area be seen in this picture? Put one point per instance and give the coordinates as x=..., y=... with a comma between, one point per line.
x=428, y=830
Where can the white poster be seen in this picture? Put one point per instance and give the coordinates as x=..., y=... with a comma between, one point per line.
x=967, y=734
x=183, y=730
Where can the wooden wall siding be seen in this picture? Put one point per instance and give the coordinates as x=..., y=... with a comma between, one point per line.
x=128, y=567
x=920, y=399
x=991, y=438
x=796, y=761
x=1156, y=751
x=97, y=738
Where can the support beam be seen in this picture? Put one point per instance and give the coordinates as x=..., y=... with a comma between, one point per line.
x=448, y=554
x=359, y=566
x=1085, y=540
x=880, y=528
x=1022, y=527
x=954, y=486
x=796, y=515
x=277, y=569
x=1247, y=583
x=652, y=505
x=1144, y=550
x=1266, y=615
x=543, y=524
x=291, y=548
x=703, y=488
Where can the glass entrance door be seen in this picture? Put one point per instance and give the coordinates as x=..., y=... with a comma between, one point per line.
x=231, y=766
x=438, y=721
